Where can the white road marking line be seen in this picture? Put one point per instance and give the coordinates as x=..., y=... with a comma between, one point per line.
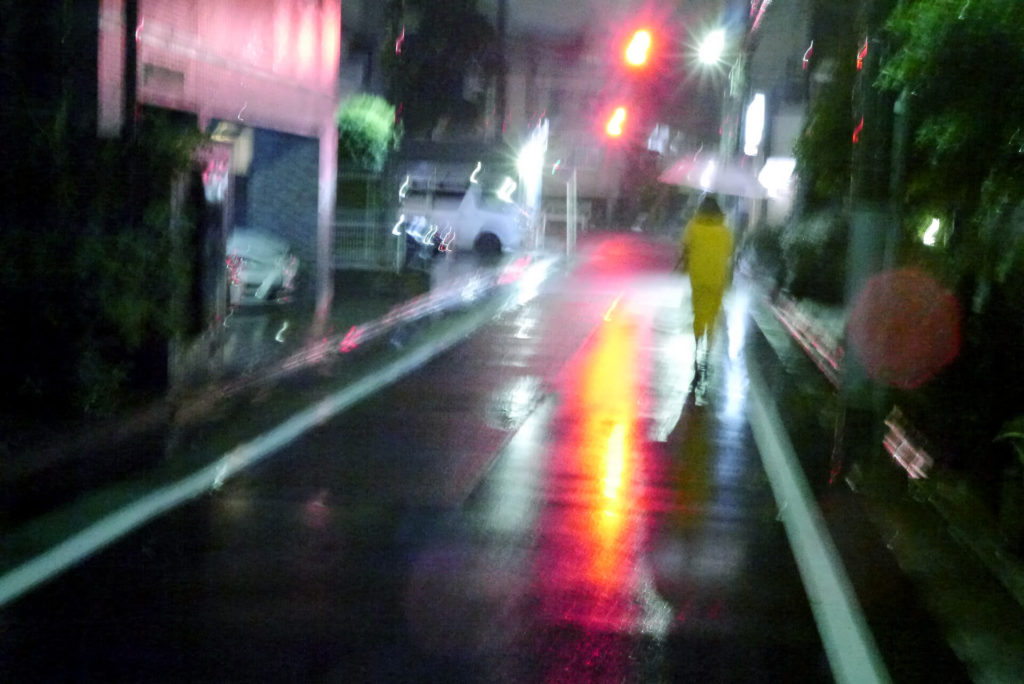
x=849, y=644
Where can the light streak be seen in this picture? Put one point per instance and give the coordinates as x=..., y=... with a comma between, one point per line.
x=912, y=458
x=808, y=54
x=608, y=313
x=508, y=186
x=476, y=172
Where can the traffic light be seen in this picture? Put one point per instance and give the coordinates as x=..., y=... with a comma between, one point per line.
x=615, y=122
x=638, y=48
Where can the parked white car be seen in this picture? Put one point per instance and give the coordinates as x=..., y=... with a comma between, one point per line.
x=261, y=268
x=467, y=219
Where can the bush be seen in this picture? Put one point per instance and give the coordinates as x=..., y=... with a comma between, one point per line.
x=814, y=251
x=763, y=247
x=96, y=286
x=366, y=131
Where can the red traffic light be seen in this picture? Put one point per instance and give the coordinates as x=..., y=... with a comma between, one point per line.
x=614, y=125
x=638, y=48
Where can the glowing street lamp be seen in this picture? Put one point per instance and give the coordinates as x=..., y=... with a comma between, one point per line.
x=639, y=45
x=712, y=47
x=614, y=126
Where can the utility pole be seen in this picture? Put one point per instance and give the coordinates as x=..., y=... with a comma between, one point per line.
x=873, y=213
x=501, y=97
x=131, y=62
x=874, y=227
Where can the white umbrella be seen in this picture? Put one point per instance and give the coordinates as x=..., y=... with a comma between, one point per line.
x=710, y=174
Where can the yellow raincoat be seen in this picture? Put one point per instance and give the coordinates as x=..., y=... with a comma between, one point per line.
x=706, y=248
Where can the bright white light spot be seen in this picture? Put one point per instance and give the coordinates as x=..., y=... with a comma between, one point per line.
x=531, y=158
x=507, y=188
x=777, y=176
x=404, y=188
x=754, y=128
x=707, y=176
x=476, y=172
x=931, y=233
x=397, y=230
x=712, y=47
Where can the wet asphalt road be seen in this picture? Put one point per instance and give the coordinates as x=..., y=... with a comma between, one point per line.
x=546, y=502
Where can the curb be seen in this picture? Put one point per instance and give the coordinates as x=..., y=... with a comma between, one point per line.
x=900, y=443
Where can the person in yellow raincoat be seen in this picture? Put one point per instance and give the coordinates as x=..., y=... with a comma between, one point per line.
x=705, y=253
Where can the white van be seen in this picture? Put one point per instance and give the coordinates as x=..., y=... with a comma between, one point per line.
x=466, y=218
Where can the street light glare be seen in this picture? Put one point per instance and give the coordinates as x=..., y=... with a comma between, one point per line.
x=712, y=47
x=636, y=51
x=614, y=127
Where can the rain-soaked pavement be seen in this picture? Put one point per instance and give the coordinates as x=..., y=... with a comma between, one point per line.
x=548, y=501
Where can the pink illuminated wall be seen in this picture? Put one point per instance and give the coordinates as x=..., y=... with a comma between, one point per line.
x=265, y=63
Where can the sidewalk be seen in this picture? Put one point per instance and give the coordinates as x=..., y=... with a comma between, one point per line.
x=49, y=467
x=934, y=526
x=162, y=456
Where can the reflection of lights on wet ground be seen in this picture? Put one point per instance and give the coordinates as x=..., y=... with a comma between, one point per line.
x=315, y=512
x=511, y=403
x=596, y=533
x=511, y=505
x=735, y=392
x=525, y=325
x=615, y=461
x=736, y=320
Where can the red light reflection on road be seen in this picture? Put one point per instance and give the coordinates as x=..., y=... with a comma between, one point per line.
x=594, y=532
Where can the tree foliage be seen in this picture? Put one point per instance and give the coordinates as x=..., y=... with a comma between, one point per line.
x=98, y=268
x=445, y=47
x=962, y=65
x=366, y=131
x=823, y=151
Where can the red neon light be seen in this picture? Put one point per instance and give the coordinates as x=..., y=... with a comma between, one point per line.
x=808, y=54
x=861, y=55
x=351, y=341
x=857, y=130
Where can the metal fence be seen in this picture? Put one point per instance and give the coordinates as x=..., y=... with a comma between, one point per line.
x=363, y=223
x=364, y=241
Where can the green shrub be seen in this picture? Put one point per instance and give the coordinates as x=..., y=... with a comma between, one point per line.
x=814, y=251
x=366, y=131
